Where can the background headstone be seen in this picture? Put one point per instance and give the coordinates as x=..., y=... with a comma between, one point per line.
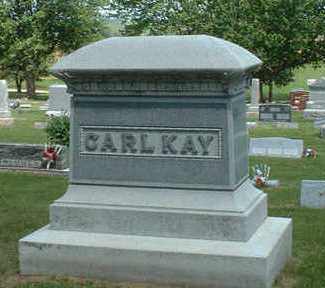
x=4, y=101
x=275, y=113
x=322, y=131
x=59, y=99
x=316, y=104
x=312, y=193
x=255, y=97
x=276, y=147
x=319, y=122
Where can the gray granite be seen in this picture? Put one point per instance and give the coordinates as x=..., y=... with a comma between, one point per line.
x=322, y=131
x=312, y=193
x=316, y=104
x=275, y=113
x=159, y=169
x=319, y=122
x=276, y=147
x=4, y=101
x=59, y=99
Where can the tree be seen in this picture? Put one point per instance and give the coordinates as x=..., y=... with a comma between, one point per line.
x=32, y=30
x=284, y=34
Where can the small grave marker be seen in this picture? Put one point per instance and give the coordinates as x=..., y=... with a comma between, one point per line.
x=312, y=193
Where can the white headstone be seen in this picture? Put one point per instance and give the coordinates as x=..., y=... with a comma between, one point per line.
x=4, y=103
x=255, y=92
x=316, y=104
x=59, y=99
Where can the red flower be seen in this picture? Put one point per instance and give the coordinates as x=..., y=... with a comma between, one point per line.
x=50, y=149
x=46, y=155
x=259, y=181
x=54, y=156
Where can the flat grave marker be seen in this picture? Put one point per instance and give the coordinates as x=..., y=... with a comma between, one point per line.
x=276, y=147
x=312, y=193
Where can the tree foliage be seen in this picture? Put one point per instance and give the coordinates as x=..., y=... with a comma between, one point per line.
x=284, y=34
x=31, y=30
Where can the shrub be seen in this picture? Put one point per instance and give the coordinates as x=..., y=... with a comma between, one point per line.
x=58, y=130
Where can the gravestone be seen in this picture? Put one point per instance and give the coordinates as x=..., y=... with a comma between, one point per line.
x=319, y=122
x=312, y=193
x=322, y=131
x=255, y=97
x=159, y=188
x=21, y=155
x=316, y=104
x=275, y=113
x=59, y=99
x=276, y=147
x=4, y=102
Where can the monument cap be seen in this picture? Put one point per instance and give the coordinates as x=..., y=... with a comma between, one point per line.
x=189, y=54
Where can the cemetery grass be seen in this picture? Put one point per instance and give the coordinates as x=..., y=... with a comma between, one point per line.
x=25, y=198
x=23, y=130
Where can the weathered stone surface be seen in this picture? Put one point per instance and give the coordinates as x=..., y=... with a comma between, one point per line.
x=59, y=99
x=188, y=262
x=312, y=193
x=276, y=147
x=275, y=113
x=4, y=102
x=159, y=155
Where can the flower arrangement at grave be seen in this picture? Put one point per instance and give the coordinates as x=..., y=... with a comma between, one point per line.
x=261, y=174
x=50, y=155
x=309, y=152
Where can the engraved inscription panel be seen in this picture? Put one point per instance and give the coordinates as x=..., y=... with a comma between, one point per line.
x=151, y=142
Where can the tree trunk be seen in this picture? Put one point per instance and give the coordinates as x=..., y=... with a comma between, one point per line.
x=30, y=84
x=19, y=83
x=271, y=92
x=261, y=93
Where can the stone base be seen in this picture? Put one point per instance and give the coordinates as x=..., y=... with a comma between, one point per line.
x=7, y=122
x=5, y=114
x=314, y=113
x=192, y=262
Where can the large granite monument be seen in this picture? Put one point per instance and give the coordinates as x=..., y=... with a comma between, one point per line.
x=159, y=189
x=4, y=102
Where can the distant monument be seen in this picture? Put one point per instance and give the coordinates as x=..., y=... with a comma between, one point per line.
x=255, y=98
x=316, y=104
x=4, y=102
x=159, y=188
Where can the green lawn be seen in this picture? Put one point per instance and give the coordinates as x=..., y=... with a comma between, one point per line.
x=25, y=198
x=23, y=130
